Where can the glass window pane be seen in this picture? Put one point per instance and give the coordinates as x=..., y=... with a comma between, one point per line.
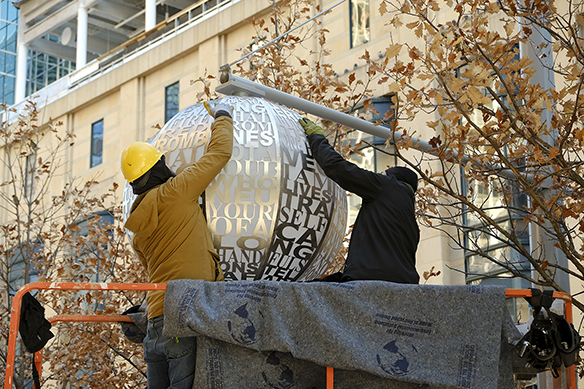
x=490, y=198
x=3, y=36
x=359, y=19
x=480, y=266
x=9, y=98
x=171, y=101
x=3, y=99
x=10, y=64
x=12, y=13
x=2, y=61
x=486, y=237
x=4, y=10
x=52, y=75
x=197, y=11
x=9, y=84
x=96, y=143
x=12, y=31
x=40, y=80
x=40, y=67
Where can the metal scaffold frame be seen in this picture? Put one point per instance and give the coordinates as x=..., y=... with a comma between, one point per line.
x=71, y=286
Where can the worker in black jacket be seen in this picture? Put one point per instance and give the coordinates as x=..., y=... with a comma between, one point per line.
x=385, y=234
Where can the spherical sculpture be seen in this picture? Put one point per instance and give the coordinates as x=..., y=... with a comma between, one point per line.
x=272, y=212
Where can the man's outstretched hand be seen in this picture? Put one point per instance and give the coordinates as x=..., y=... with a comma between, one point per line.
x=310, y=127
x=213, y=109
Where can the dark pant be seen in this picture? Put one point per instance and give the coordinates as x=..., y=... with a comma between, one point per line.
x=170, y=361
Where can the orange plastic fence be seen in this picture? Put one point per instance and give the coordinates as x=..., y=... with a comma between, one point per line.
x=77, y=286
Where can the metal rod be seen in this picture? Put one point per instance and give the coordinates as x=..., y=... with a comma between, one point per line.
x=237, y=86
x=284, y=34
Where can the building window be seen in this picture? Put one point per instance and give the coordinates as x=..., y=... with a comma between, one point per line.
x=98, y=233
x=376, y=157
x=8, y=36
x=171, y=102
x=359, y=19
x=45, y=69
x=21, y=262
x=96, y=143
x=29, y=175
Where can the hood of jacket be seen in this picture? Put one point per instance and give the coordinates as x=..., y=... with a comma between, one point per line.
x=143, y=218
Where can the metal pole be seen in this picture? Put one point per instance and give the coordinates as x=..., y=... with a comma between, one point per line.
x=238, y=86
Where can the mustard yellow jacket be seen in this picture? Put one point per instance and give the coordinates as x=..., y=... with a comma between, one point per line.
x=171, y=236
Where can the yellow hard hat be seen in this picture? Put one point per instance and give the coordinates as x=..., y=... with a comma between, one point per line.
x=137, y=159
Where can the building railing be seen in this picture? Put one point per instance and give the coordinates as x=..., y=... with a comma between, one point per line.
x=128, y=50
x=570, y=375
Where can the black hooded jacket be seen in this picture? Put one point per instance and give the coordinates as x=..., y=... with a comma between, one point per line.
x=385, y=234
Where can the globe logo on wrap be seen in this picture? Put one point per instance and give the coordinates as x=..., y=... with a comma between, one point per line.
x=272, y=212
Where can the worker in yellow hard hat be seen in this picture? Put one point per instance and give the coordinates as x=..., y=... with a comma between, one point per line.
x=137, y=159
x=172, y=240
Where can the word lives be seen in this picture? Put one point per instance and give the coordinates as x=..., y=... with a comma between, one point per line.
x=306, y=208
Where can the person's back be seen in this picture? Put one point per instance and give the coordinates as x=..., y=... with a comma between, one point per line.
x=171, y=236
x=172, y=240
x=385, y=235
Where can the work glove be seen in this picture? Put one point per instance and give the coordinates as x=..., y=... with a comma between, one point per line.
x=215, y=109
x=310, y=127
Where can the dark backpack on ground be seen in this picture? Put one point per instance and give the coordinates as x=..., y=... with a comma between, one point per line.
x=35, y=329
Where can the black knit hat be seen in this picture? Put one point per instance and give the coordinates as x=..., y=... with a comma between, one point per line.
x=405, y=175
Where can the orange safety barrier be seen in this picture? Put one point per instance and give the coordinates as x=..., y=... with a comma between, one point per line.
x=77, y=286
